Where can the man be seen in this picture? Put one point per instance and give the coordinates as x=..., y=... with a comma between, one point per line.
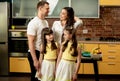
x=34, y=36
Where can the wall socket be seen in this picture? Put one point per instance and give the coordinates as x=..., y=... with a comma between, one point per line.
x=85, y=31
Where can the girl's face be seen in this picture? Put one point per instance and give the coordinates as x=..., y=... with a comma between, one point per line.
x=49, y=37
x=67, y=35
x=63, y=14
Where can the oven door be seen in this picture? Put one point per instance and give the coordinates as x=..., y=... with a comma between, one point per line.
x=18, y=46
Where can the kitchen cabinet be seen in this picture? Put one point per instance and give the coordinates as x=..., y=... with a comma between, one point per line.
x=82, y=8
x=24, y=8
x=87, y=68
x=27, y=8
x=110, y=2
x=81, y=69
x=86, y=8
x=89, y=47
x=19, y=64
x=110, y=59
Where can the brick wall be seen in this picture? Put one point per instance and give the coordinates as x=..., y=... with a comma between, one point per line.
x=108, y=25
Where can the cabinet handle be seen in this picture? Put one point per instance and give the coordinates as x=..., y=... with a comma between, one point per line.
x=111, y=51
x=111, y=57
x=21, y=59
x=111, y=63
x=112, y=45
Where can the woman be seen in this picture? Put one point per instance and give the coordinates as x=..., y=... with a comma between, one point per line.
x=67, y=18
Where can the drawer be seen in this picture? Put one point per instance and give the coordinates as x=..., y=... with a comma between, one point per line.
x=19, y=65
x=109, y=67
x=111, y=58
x=109, y=46
x=106, y=51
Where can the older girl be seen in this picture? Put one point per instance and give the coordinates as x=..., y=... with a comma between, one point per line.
x=67, y=69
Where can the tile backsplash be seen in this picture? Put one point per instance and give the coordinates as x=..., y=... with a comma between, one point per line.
x=107, y=25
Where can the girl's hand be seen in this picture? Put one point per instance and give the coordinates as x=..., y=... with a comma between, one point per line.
x=74, y=78
x=39, y=74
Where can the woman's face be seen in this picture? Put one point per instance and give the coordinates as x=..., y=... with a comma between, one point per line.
x=63, y=14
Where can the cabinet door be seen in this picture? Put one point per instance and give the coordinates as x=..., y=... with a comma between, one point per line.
x=110, y=2
x=109, y=68
x=81, y=69
x=90, y=47
x=86, y=8
x=24, y=8
x=19, y=65
x=56, y=7
x=88, y=68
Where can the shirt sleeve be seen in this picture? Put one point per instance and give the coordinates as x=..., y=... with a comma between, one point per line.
x=78, y=23
x=31, y=29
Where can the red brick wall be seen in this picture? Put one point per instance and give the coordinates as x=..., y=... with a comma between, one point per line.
x=108, y=25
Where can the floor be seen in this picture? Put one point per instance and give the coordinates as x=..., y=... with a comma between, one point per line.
x=27, y=78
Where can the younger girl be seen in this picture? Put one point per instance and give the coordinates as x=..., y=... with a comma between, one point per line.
x=67, y=69
x=48, y=56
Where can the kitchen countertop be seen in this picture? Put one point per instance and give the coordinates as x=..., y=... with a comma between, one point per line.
x=100, y=42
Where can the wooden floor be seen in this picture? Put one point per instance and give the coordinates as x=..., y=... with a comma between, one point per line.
x=81, y=78
x=28, y=79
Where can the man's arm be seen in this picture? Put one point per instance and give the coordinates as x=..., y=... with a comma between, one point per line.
x=31, y=40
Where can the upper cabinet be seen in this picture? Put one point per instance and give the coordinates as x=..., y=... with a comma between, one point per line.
x=82, y=8
x=110, y=2
x=24, y=8
x=86, y=8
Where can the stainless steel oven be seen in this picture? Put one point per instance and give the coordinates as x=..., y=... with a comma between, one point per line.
x=18, y=43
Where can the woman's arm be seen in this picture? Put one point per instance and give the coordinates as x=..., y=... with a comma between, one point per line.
x=78, y=22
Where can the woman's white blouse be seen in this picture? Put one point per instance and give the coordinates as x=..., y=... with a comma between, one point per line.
x=58, y=29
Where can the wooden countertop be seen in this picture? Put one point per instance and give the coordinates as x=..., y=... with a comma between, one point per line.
x=100, y=42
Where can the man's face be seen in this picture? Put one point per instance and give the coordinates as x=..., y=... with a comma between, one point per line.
x=45, y=9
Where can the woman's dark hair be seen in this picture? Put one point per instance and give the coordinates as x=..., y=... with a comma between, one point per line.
x=41, y=3
x=46, y=31
x=70, y=16
x=72, y=31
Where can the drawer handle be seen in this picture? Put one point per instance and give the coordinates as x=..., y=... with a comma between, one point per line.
x=111, y=57
x=21, y=59
x=112, y=45
x=111, y=51
x=111, y=63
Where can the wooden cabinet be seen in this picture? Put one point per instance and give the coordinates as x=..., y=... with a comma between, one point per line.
x=19, y=64
x=110, y=2
x=81, y=69
x=110, y=59
x=87, y=68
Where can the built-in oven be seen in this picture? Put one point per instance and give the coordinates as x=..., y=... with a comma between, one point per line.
x=18, y=43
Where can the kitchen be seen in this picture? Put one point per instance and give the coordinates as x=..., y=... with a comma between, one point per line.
x=103, y=32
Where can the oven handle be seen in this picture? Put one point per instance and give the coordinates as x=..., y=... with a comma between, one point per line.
x=19, y=39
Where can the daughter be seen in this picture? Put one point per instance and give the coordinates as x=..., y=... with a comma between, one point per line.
x=48, y=56
x=67, y=69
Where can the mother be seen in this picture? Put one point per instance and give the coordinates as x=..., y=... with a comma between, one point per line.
x=67, y=18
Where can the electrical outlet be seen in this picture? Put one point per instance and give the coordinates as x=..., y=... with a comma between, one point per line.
x=85, y=31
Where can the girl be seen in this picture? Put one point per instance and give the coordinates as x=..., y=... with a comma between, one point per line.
x=67, y=69
x=48, y=56
x=67, y=18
